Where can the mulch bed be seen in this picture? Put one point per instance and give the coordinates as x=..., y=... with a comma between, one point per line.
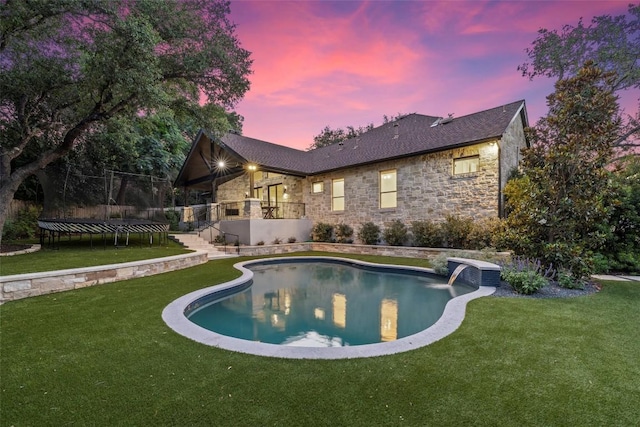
x=13, y=248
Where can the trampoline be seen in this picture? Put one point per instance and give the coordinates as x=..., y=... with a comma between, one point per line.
x=119, y=228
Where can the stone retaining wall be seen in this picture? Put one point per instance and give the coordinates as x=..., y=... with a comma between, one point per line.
x=32, y=284
x=397, y=251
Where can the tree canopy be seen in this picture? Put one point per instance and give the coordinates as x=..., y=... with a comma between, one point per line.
x=69, y=66
x=612, y=43
x=329, y=136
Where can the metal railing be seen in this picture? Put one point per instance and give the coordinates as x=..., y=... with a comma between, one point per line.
x=208, y=225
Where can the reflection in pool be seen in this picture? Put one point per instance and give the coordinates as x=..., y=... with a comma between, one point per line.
x=323, y=303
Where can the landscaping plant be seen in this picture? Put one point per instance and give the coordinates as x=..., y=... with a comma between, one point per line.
x=369, y=233
x=396, y=233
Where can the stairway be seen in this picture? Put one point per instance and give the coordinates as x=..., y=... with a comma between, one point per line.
x=193, y=241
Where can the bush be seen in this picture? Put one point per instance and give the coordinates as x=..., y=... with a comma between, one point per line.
x=571, y=257
x=369, y=233
x=567, y=280
x=322, y=232
x=525, y=275
x=525, y=282
x=23, y=226
x=220, y=239
x=456, y=231
x=173, y=217
x=426, y=234
x=483, y=233
x=396, y=233
x=260, y=243
x=344, y=233
x=277, y=241
x=291, y=239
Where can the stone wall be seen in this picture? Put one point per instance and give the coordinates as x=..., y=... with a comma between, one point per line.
x=426, y=190
x=27, y=285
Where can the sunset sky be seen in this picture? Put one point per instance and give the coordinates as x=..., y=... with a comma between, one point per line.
x=340, y=63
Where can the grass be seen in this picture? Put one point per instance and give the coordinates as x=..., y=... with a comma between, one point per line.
x=76, y=253
x=103, y=356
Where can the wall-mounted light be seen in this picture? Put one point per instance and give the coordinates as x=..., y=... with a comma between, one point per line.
x=221, y=164
x=252, y=167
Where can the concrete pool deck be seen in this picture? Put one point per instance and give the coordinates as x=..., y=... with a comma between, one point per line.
x=451, y=319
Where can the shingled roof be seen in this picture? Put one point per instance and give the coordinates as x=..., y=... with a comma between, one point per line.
x=410, y=135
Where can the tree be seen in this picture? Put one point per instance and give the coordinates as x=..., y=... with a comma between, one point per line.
x=330, y=136
x=559, y=203
x=611, y=42
x=69, y=66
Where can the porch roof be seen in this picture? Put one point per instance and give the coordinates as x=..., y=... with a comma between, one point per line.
x=411, y=135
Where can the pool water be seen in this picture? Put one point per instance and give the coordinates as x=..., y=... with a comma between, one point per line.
x=328, y=304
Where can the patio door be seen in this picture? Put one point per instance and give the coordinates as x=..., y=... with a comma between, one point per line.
x=275, y=195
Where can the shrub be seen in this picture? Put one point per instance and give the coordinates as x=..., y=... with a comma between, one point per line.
x=173, y=217
x=23, y=226
x=277, y=241
x=396, y=233
x=369, y=233
x=322, y=232
x=344, y=233
x=440, y=264
x=567, y=280
x=569, y=256
x=260, y=243
x=525, y=282
x=483, y=233
x=455, y=231
x=426, y=234
x=291, y=239
x=525, y=275
x=220, y=239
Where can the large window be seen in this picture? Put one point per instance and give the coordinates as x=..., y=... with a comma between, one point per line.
x=337, y=194
x=466, y=165
x=388, y=189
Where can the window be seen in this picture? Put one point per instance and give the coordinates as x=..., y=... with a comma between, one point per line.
x=388, y=189
x=466, y=165
x=337, y=194
x=317, y=187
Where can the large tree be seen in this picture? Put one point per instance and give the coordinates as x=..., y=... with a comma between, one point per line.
x=560, y=205
x=69, y=66
x=611, y=42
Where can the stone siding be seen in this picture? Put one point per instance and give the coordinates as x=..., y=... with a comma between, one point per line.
x=426, y=190
x=33, y=284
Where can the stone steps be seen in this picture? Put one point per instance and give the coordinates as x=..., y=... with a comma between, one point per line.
x=195, y=242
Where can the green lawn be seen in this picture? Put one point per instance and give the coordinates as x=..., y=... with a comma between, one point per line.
x=76, y=253
x=103, y=356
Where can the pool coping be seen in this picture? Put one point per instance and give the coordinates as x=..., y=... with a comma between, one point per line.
x=451, y=319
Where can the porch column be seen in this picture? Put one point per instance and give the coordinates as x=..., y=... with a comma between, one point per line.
x=252, y=209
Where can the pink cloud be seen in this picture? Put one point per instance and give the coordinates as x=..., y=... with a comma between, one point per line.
x=348, y=63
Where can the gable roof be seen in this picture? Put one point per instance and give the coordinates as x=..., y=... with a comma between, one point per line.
x=410, y=135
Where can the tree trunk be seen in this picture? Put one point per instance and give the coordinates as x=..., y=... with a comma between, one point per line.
x=8, y=188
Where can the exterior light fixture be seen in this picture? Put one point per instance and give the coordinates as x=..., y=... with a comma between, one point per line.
x=252, y=167
x=221, y=164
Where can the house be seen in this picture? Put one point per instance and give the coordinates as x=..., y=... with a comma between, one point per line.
x=416, y=167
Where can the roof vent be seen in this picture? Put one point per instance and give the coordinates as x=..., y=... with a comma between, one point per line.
x=447, y=119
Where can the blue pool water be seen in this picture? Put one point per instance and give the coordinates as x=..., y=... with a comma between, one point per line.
x=323, y=303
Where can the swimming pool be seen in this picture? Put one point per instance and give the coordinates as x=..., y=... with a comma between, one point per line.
x=323, y=307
